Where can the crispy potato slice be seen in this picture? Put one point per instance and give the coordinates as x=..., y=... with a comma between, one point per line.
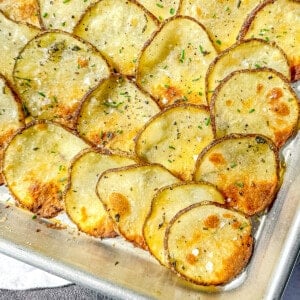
x=175, y=137
x=173, y=65
x=167, y=202
x=266, y=105
x=119, y=30
x=249, y=54
x=54, y=71
x=36, y=163
x=13, y=37
x=223, y=19
x=113, y=114
x=244, y=168
x=81, y=201
x=278, y=21
x=11, y=116
x=208, y=244
x=127, y=194
x=63, y=15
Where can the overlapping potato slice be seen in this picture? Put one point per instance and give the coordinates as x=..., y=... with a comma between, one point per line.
x=208, y=245
x=13, y=37
x=173, y=65
x=223, y=19
x=112, y=115
x=36, y=164
x=11, y=116
x=265, y=105
x=82, y=204
x=278, y=21
x=167, y=202
x=63, y=15
x=244, y=168
x=248, y=54
x=175, y=137
x=54, y=71
x=127, y=195
x=119, y=30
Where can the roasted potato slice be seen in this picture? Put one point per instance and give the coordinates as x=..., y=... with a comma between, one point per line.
x=266, y=105
x=81, y=201
x=208, y=244
x=173, y=65
x=13, y=37
x=167, y=202
x=175, y=137
x=54, y=71
x=223, y=19
x=249, y=54
x=244, y=168
x=278, y=21
x=113, y=114
x=35, y=166
x=127, y=194
x=119, y=30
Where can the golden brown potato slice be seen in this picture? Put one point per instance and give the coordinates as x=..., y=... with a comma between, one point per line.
x=175, y=137
x=167, y=202
x=82, y=203
x=265, y=105
x=13, y=37
x=54, y=71
x=278, y=21
x=173, y=65
x=35, y=166
x=119, y=30
x=127, y=194
x=112, y=115
x=208, y=244
x=249, y=54
x=244, y=168
x=223, y=19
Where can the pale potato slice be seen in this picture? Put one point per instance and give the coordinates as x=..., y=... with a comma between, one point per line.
x=175, y=137
x=245, y=168
x=13, y=37
x=119, y=30
x=223, y=19
x=265, y=105
x=208, y=244
x=35, y=166
x=54, y=71
x=278, y=21
x=63, y=15
x=174, y=62
x=167, y=202
x=248, y=54
x=127, y=195
x=113, y=114
x=82, y=203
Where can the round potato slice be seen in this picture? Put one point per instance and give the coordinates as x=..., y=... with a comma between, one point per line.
x=244, y=168
x=173, y=65
x=175, y=137
x=119, y=30
x=208, y=245
x=266, y=105
x=36, y=164
x=127, y=195
x=167, y=202
x=249, y=54
x=81, y=201
x=113, y=114
x=54, y=72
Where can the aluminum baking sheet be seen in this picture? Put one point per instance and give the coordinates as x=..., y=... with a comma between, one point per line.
x=117, y=269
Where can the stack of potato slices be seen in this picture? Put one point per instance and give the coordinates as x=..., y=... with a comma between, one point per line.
x=159, y=121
